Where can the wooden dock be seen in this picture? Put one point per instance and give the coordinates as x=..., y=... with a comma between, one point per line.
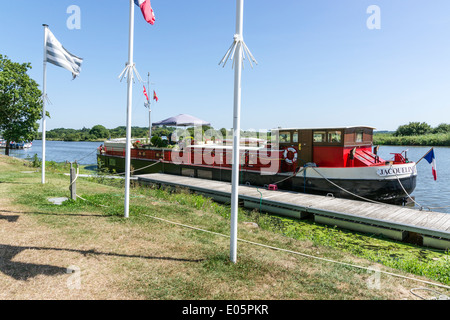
x=431, y=229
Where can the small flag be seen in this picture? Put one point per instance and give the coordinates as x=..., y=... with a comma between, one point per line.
x=145, y=94
x=56, y=54
x=432, y=160
x=147, y=10
x=154, y=96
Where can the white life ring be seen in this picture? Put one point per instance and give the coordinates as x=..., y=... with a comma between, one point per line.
x=294, y=158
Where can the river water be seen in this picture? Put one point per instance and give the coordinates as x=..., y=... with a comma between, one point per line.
x=60, y=151
x=428, y=193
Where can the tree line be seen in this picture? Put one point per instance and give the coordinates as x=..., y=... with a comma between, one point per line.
x=100, y=133
x=416, y=134
x=421, y=128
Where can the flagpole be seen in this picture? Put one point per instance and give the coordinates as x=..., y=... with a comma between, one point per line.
x=44, y=98
x=129, y=104
x=149, y=110
x=237, y=132
x=424, y=156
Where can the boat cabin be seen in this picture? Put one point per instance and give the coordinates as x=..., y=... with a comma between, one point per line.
x=328, y=147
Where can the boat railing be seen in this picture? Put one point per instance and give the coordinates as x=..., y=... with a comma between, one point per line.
x=212, y=157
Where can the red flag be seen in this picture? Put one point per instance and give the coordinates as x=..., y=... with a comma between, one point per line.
x=147, y=10
x=145, y=93
x=154, y=96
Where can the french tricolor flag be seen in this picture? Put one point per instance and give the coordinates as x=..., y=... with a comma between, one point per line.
x=432, y=160
x=147, y=10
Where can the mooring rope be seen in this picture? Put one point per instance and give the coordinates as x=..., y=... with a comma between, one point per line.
x=370, y=200
x=77, y=161
x=76, y=177
x=409, y=196
x=439, y=295
x=300, y=169
x=77, y=174
x=421, y=207
x=122, y=173
x=300, y=253
x=288, y=251
x=351, y=193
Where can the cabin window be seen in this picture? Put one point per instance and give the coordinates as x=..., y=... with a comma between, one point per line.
x=285, y=137
x=295, y=137
x=334, y=136
x=359, y=136
x=320, y=136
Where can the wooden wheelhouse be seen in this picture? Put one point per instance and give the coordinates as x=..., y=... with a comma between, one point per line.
x=328, y=147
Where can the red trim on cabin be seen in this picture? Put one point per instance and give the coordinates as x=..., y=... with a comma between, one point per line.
x=330, y=156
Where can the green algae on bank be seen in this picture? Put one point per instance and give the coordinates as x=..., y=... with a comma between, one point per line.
x=418, y=260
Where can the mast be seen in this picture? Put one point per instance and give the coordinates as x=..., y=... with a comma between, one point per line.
x=236, y=133
x=236, y=52
x=128, y=72
x=129, y=105
x=149, y=110
x=44, y=98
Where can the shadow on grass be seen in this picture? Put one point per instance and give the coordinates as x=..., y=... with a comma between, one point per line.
x=51, y=214
x=24, y=271
x=9, y=218
x=21, y=270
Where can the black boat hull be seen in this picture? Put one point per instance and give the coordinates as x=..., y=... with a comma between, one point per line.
x=392, y=190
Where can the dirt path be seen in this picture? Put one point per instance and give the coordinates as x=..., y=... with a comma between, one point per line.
x=36, y=262
x=48, y=256
x=51, y=256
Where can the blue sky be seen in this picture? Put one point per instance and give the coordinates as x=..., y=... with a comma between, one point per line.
x=319, y=63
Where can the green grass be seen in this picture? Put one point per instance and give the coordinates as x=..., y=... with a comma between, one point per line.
x=259, y=274
x=434, y=264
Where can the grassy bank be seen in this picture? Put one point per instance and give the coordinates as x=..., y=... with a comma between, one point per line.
x=436, y=140
x=147, y=258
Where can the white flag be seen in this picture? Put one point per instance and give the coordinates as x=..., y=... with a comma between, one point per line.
x=56, y=54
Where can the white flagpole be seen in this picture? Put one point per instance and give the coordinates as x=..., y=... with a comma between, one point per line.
x=44, y=98
x=237, y=131
x=149, y=110
x=129, y=104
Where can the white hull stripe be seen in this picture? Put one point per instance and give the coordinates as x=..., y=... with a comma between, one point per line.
x=364, y=173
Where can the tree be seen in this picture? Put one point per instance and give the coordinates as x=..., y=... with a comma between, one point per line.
x=442, y=128
x=20, y=102
x=413, y=129
x=99, y=132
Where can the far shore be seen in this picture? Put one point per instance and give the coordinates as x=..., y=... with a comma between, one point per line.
x=427, y=140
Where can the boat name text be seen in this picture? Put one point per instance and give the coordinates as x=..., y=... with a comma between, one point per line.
x=395, y=171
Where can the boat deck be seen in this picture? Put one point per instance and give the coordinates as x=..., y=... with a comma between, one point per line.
x=426, y=228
